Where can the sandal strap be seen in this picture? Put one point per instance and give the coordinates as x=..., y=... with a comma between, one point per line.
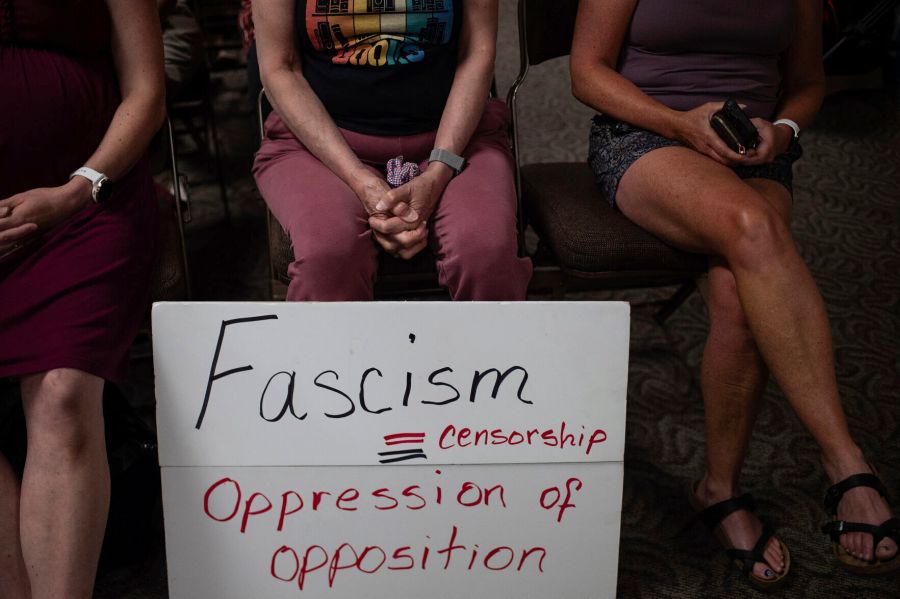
x=888, y=529
x=717, y=512
x=752, y=556
x=835, y=493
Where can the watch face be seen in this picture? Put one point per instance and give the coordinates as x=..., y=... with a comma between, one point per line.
x=103, y=190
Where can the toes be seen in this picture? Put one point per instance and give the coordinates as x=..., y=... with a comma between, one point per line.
x=886, y=549
x=774, y=557
x=763, y=571
x=860, y=546
x=857, y=545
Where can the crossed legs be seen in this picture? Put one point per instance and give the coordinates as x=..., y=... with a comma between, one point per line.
x=766, y=315
x=52, y=525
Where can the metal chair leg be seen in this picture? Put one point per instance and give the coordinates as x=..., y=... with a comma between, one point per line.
x=217, y=157
x=673, y=303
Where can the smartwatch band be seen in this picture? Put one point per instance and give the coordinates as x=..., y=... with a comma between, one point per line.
x=457, y=163
x=98, y=182
x=793, y=125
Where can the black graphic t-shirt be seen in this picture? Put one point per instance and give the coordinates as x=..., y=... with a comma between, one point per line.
x=381, y=67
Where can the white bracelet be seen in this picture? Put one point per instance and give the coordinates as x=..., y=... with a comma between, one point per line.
x=790, y=124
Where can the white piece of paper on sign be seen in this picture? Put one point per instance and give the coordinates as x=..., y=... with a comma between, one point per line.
x=397, y=450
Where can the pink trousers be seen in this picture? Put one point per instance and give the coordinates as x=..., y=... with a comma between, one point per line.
x=472, y=231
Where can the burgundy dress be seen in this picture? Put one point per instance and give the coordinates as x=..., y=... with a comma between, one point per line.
x=75, y=296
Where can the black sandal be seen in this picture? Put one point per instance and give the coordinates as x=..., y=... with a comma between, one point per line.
x=889, y=529
x=744, y=558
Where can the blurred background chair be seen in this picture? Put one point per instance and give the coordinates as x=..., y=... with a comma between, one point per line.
x=583, y=243
x=218, y=20
x=191, y=115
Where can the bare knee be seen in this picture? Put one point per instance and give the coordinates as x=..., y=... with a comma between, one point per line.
x=64, y=411
x=756, y=235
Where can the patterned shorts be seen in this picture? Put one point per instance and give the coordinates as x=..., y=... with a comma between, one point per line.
x=615, y=146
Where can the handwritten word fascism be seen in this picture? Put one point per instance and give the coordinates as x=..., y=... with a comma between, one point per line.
x=372, y=391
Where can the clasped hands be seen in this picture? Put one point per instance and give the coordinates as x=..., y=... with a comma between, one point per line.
x=399, y=217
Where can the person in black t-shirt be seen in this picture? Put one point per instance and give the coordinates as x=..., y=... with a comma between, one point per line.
x=354, y=87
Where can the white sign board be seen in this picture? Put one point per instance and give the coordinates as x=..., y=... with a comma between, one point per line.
x=402, y=450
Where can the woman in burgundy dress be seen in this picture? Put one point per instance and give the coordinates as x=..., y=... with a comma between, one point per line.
x=657, y=71
x=82, y=94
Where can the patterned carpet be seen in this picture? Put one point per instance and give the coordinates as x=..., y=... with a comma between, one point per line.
x=848, y=228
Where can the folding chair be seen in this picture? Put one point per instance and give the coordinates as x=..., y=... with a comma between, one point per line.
x=584, y=243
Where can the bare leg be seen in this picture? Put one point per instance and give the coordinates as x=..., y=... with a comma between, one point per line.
x=13, y=579
x=65, y=488
x=732, y=379
x=697, y=204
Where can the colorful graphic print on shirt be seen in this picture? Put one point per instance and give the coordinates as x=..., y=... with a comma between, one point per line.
x=378, y=33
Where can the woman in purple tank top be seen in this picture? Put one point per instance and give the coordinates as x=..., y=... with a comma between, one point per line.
x=656, y=71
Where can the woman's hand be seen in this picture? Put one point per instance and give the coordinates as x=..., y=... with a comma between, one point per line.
x=772, y=142
x=370, y=189
x=421, y=195
x=404, y=244
x=407, y=231
x=692, y=128
x=38, y=210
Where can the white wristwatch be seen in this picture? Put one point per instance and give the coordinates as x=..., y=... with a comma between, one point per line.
x=101, y=185
x=791, y=124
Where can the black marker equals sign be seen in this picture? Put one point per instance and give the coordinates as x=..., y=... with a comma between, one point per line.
x=401, y=455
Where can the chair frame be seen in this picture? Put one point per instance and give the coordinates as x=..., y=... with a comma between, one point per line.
x=182, y=214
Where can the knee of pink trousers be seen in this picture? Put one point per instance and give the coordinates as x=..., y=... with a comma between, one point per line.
x=485, y=269
x=330, y=271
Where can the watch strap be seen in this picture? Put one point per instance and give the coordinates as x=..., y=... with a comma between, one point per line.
x=89, y=174
x=457, y=163
x=96, y=178
x=793, y=125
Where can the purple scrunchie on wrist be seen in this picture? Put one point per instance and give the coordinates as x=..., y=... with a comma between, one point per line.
x=400, y=173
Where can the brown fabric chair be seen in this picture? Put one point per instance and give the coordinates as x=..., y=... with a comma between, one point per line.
x=396, y=278
x=583, y=242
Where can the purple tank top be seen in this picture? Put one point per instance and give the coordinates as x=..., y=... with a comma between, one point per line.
x=687, y=52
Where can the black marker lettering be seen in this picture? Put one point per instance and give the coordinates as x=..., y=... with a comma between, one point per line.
x=431, y=380
x=288, y=399
x=213, y=375
x=476, y=380
x=362, y=392
x=338, y=391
